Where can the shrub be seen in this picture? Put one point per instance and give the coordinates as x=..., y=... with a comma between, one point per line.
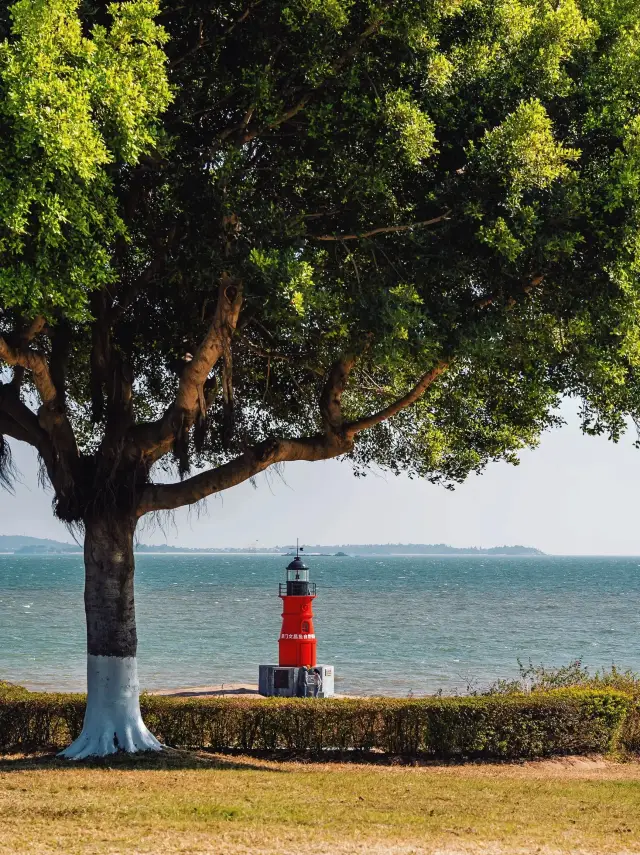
x=572, y=721
x=11, y=690
x=535, y=678
x=37, y=720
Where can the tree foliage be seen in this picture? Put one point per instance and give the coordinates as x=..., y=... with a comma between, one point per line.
x=72, y=106
x=236, y=234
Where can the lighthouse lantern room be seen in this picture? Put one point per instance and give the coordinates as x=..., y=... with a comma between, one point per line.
x=297, y=672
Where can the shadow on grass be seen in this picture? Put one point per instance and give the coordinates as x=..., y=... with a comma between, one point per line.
x=242, y=760
x=167, y=760
x=235, y=759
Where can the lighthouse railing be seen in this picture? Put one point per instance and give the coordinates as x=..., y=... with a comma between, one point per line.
x=297, y=589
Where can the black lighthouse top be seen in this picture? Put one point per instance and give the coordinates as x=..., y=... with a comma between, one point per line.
x=298, y=584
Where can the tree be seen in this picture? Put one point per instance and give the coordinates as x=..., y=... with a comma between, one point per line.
x=394, y=232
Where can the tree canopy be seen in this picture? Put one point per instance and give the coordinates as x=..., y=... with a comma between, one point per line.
x=236, y=234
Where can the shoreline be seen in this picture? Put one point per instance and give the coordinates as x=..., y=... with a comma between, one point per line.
x=216, y=690
x=226, y=690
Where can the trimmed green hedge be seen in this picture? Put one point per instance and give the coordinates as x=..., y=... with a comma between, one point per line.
x=573, y=721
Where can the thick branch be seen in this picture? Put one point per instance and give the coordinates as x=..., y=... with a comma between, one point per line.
x=52, y=417
x=110, y=374
x=10, y=427
x=331, y=397
x=59, y=360
x=406, y=401
x=33, y=361
x=212, y=346
x=34, y=329
x=155, y=439
x=383, y=230
x=159, y=497
x=13, y=408
x=24, y=339
x=19, y=422
x=336, y=441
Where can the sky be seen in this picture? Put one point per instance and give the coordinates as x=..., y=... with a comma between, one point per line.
x=574, y=495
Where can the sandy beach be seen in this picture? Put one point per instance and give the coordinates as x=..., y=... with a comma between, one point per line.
x=222, y=689
x=208, y=691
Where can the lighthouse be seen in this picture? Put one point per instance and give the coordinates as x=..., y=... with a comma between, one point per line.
x=297, y=673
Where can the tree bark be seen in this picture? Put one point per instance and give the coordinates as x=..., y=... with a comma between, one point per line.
x=112, y=720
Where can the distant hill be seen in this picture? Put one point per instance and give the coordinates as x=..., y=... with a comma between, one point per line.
x=34, y=545
x=423, y=549
x=24, y=545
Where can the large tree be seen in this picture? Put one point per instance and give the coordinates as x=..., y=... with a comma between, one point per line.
x=394, y=232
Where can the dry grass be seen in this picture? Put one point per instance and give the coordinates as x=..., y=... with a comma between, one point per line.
x=198, y=803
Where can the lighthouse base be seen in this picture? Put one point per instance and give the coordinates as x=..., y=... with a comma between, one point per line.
x=289, y=681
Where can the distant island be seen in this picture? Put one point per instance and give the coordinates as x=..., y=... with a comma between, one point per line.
x=24, y=545
x=422, y=549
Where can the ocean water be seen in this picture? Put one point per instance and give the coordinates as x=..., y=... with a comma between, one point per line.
x=390, y=625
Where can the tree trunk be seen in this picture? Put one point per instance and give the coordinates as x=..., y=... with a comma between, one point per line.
x=112, y=720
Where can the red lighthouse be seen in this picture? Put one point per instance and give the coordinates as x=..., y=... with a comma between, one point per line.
x=297, y=643
x=297, y=672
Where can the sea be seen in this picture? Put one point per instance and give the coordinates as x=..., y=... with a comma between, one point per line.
x=390, y=625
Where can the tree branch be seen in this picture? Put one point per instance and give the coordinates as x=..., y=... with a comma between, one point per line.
x=60, y=337
x=212, y=346
x=34, y=329
x=410, y=398
x=60, y=452
x=250, y=8
x=10, y=427
x=24, y=339
x=19, y=422
x=383, y=230
x=36, y=363
x=337, y=440
x=155, y=438
x=198, y=45
x=280, y=357
x=13, y=408
x=527, y=288
x=331, y=397
x=246, y=133
x=159, y=497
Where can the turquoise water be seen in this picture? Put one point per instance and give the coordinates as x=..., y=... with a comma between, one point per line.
x=390, y=624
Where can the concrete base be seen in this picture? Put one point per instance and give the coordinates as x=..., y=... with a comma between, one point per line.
x=285, y=681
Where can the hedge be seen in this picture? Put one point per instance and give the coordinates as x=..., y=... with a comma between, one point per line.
x=573, y=721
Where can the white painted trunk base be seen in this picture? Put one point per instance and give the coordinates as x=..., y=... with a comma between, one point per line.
x=112, y=721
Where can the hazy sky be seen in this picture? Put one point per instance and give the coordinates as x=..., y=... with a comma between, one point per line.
x=573, y=495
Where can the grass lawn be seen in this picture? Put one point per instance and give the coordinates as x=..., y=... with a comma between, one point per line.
x=192, y=803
